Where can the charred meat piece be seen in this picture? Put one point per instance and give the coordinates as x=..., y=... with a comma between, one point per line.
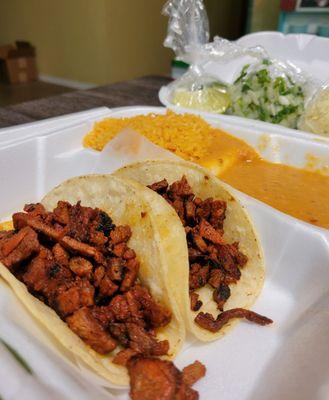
x=119, y=249
x=6, y=234
x=116, y=268
x=82, y=248
x=21, y=219
x=204, y=209
x=145, y=343
x=217, y=276
x=153, y=312
x=120, y=234
x=45, y=277
x=98, y=275
x=134, y=336
x=124, y=356
x=135, y=309
x=107, y=288
x=86, y=326
x=198, y=276
x=217, y=213
x=62, y=212
x=238, y=256
x=200, y=243
x=19, y=247
x=190, y=209
x=178, y=205
x=120, y=308
x=193, y=372
x=97, y=238
x=160, y=187
x=221, y=294
x=207, y=231
x=228, y=262
x=129, y=254
x=120, y=332
x=196, y=304
x=80, y=219
x=61, y=255
x=130, y=275
x=103, y=314
x=37, y=274
x=35, y=209
x=207, y=321
x=79, y=294
x=105, y=224
x=194, y=254
x=154, y=379
x=180, y=189
x=81, y=267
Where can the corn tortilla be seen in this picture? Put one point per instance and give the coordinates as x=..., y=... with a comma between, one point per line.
x=237, y=228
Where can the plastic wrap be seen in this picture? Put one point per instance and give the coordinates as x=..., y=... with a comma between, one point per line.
x=316, y=116
x=270, y=91
x=188, y=33
x=262, y=88
x=188, y=28
x=199, y=91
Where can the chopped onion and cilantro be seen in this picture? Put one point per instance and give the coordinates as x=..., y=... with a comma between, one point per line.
x=256, y=94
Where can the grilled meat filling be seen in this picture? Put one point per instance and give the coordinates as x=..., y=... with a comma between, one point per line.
x=154, y=379
x=212, y=260
x=79, y=263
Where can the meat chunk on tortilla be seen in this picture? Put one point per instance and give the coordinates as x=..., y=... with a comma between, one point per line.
x=207, y=321
x=193, y=372
x=83, y=323
x=154, y=379
x=19, y=247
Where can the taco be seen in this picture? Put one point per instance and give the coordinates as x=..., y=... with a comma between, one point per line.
x=219, y=269
x=86, y=263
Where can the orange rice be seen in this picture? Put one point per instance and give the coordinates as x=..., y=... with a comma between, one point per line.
x=189, y=136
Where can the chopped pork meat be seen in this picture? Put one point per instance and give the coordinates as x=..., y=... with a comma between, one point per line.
x=213, y=261
x=193, y=372
x=79, y=263
x=207, y=321
x=85, y=325
x=154, y=379
x=18, y=247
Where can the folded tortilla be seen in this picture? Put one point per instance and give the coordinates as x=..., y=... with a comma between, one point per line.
x=237, y=228
x=124, y=204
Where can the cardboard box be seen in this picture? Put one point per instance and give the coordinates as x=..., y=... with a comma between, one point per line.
x=18, y=63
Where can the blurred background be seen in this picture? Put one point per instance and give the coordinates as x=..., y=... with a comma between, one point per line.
x=83, y=43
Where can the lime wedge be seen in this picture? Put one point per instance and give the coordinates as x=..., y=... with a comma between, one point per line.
x=212, y=99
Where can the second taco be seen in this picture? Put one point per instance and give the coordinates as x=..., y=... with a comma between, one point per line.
x=218, y=271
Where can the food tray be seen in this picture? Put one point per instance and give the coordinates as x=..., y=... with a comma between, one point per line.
x=251, y=362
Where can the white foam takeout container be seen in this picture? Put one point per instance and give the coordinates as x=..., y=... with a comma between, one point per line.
x=308, y=52
x=288, y=360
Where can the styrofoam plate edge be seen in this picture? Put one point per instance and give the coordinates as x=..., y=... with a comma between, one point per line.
x=41, y=127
